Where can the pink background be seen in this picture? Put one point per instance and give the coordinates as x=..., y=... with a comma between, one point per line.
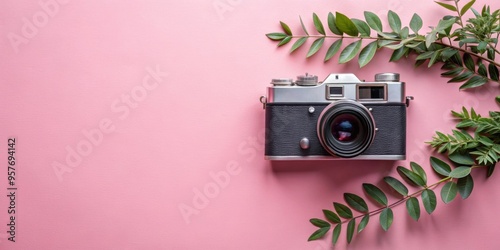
x=201, y=120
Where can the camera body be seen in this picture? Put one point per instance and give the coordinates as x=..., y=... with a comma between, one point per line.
x=339, y=118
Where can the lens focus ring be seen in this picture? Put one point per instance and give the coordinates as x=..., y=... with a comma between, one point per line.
x=346, y=128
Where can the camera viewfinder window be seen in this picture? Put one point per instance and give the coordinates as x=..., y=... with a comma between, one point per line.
x=371, y=92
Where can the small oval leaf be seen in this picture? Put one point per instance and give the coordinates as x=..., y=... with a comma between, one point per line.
x=285, y=41
x=345, y=25
x=318, y=24
x=396, y=185
x=449, y=192
x=413, y=208
x=447, y=6
x=276, y=36
x=417, y=169
x=319, y=222
x=298, y=43
x=375, y=193
x=493, y=70
x=362, y=26
x=342, y=210
x=315, y=46
x=367, y=53
x=440, y=166
x=332, y=26
x=286, y=28
x=465, y=186
x=410, y=176
x=429, y=200
x=350, y=52
x=394, y=21
x=336, y=233
x=460, y=172
x=364, y=221
x=356, y=202
x=373, y=21
x=303, y=26
x=462, y=159
x=331, y=216
x=350, y=230
x=318, y=233
x=334, y=48
x=386, y=218
x=416, y=23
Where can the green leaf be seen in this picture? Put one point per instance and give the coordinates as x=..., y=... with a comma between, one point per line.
x=356, y=202
x=334, y=48
x=285, y=41
x=336, y=233
x=367, y=53
x=416, y=23
x=350, y=51
x=440, y=166
x=303, y=26
x=315, y=46
x=482, y=70
x=404, y=32
x=460, y=172
x=425, y=55
x=286, y=28
x=375, y=193
x=434, y=58
x=465, y=186
x=362, y=26
x=276, y=36
x=461, y=158
x=331, y=216
x=394, y=21
x=413, y=208
x=430, y=38
x=462, y=77
x=398, y=54
x=497, y=99
x=332, y=26
x=474, y=81
x=345, y=25
x=410, y=176
x=417, y=169
x=493, y=72
x=469, y=62
x=342, y=210
x=298, y=43
x=364, y=221
x=396, y=185
x=318, y=24
x=449, y=192
x=490, y=170
x=386, y=218
x=373, y=21
x=447, y=6
x=429, y=200
x=452, y=73
x=318, y=233
x=319, y=222
x=466, y=7
x=350, y=230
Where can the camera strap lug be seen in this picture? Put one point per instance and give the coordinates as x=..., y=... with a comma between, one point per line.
x=263, y=100
x=408, y=100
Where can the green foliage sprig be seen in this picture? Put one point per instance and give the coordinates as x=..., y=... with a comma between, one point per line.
x=466, y=49
x=465, y=151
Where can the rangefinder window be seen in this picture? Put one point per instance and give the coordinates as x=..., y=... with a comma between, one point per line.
x=334, y=92
x=372, y=92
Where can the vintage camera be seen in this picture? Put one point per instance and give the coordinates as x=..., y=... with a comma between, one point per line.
x=339, y=118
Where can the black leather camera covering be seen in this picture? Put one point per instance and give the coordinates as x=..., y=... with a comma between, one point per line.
x=288, y=123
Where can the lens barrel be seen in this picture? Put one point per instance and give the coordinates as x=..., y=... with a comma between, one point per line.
x=346, y=128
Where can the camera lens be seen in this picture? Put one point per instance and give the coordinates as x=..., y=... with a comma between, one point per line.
x=346, y=128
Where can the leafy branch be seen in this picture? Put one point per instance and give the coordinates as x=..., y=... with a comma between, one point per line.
x=456, y=181
x=467, y=52
x=467, y=152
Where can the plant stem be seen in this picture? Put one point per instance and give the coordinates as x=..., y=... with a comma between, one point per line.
x=415, y=194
